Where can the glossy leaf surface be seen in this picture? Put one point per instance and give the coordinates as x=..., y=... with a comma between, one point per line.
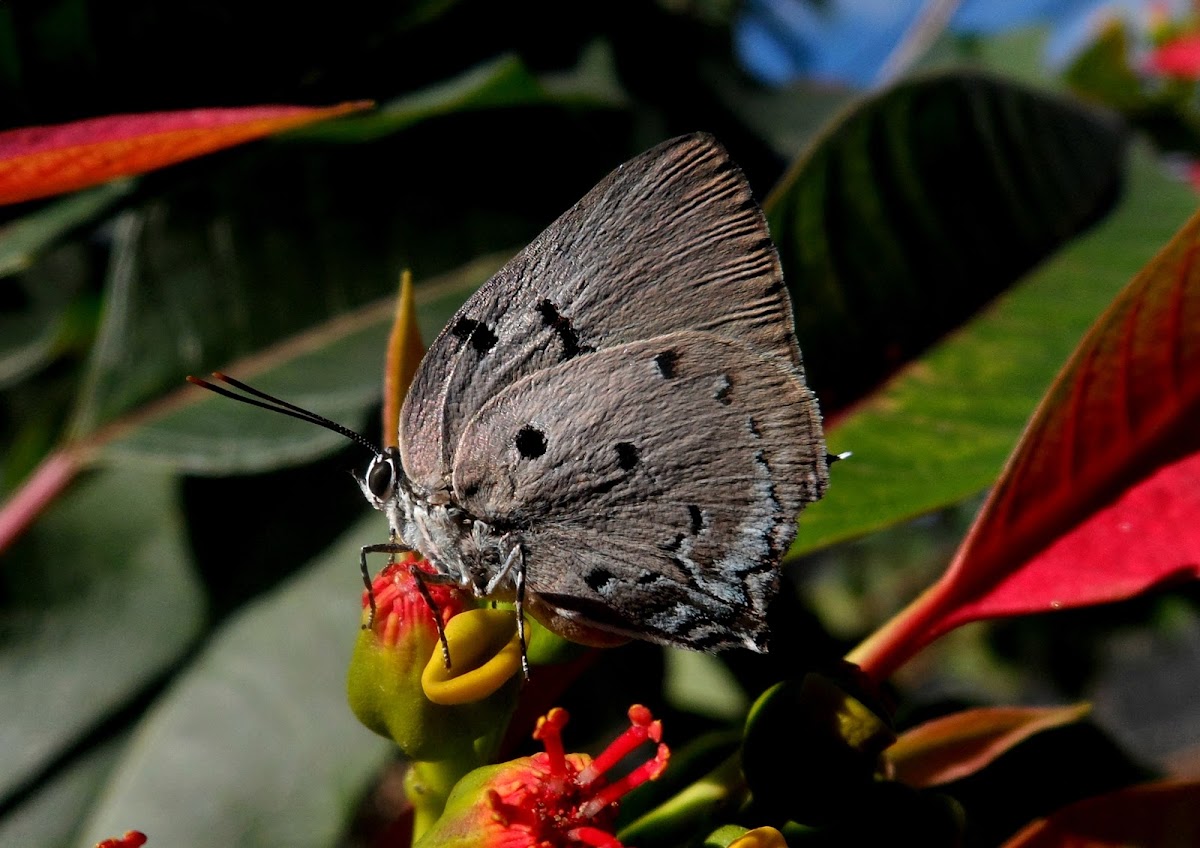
x=940, y=430
x=253, y=739
x=88, y=626
x=1097, y=502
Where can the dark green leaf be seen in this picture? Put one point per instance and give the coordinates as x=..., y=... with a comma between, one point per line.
x=52, y=815
x=501, y=82
x=23, y=239
x=335, y=370
x=922, y=205
x=255, y=744
x=940, y=430
x=99, y=600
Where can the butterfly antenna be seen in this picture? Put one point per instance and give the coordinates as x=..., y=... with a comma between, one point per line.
x=270, y=402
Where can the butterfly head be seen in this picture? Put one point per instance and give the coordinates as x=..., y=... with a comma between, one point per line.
x=383, y=485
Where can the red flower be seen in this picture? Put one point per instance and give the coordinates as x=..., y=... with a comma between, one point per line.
x=384, y=681
x=1179, y=57
x=555, y=799
x=132, y=839
x=549, y=800
x=400, y=604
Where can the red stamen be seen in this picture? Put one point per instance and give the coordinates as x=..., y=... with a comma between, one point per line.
x=544, y=802
x=642, y=727
x=549, y=733
x=649, y=770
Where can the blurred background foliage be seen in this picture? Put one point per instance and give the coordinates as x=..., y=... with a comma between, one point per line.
x=174, y=630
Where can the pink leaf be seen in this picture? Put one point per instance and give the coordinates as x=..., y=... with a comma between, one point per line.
x=41, y=161
x=960, y=744
x=1099, y=500
x=1154, y=815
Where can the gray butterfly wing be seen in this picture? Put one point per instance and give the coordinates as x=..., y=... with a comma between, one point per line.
x=671, y=240
x=653, y=487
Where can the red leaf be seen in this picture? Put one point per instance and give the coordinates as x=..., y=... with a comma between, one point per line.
x=960, y=744
x=1154, y=815
x=40, y=161
x=1179, y=57
x=1099, y=500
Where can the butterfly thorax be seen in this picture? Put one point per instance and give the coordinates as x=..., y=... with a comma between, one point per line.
x=460, y=546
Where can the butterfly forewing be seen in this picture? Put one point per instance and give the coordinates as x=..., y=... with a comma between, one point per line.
x=653, y=487
x=672, y=240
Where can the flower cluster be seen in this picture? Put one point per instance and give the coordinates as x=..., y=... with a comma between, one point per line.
x=552, y=798
x=398, y=683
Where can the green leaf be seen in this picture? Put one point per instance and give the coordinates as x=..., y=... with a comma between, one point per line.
x=335, y=369
x=941, y=429
x=255, y=745
x=921, y=205
x=503, y=81
x=100, y=599
x=33, y=332
x=53, y=815
x=23, y=239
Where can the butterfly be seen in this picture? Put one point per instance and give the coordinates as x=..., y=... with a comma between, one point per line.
x=614, y=432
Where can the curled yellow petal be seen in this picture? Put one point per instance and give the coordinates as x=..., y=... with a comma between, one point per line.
x=484, y=653
x=760, y=837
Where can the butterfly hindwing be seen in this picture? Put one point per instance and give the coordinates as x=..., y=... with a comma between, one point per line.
x=671, y=240
x=653, y=487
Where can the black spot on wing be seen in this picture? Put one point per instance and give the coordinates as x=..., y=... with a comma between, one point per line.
x=697, y=518
x=627, y=456
x=598, y=578
x=530, y=442
x=666, y=363
x=565, y=330
x=480, y=335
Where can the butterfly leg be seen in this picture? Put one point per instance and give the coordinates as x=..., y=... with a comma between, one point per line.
x=422, y=577
x=385, y=548
x=516, y=560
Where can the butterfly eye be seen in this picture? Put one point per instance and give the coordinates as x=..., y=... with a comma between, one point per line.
x=380, y=477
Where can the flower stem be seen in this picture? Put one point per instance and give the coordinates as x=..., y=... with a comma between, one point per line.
x=46, y=483
x=911, y=629
x=428, y=784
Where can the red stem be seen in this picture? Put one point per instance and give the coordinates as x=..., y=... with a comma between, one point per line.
x=885, y=650
x=40, y=488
